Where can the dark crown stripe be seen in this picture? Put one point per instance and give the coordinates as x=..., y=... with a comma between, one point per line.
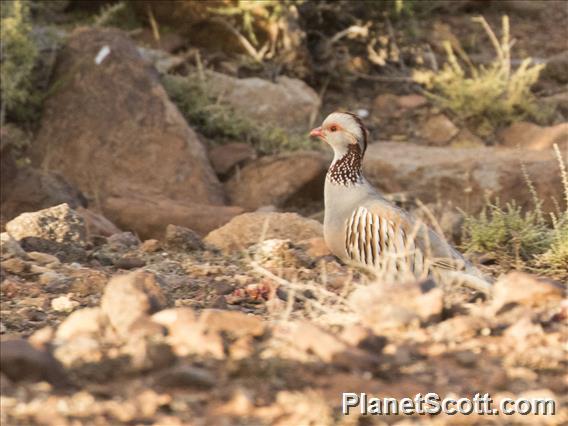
x=364, y=130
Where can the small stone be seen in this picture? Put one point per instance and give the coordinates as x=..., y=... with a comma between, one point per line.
x=129, y=262
x=185, y=376
x=380, y=307
x=412, y=101
x=130, y=296
x=183, y=239
x=21, y=361
x=525, y=289
x=247, y=229
x=64, y=304
x=83, y=322
x=533, y=137
x=2, y=328
x=386, y=105
x=315, y=247
x=188, y=336
x=438, y=130
x=151, y=246
x=15, y=266
x=58, y=224
x=9, y=247
x=466, y=139
x=225, y=157
x=44, y=258
x=236, y=323
x=123, y=241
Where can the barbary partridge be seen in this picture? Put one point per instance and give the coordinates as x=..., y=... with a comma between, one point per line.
x=362, y=227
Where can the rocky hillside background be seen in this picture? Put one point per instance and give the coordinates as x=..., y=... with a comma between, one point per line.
x=162, y=256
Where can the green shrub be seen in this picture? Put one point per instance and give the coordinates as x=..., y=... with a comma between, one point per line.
x=220, y=122
x=487, y=96
x=18, y=56
x=522, y=240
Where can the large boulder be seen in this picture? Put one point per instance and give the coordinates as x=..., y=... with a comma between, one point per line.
x=251, y=228
x=149, y=216
x=110, y=128
x=534, y=137
x=288, y=103
x=278, y=179
x=463, y=176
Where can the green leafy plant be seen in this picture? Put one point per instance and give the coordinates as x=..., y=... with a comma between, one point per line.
x=18, y=55
x=487, y=96
x=119, y=15
x=523, y=240
x=221, y=122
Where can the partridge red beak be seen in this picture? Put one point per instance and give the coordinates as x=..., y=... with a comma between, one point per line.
x=317, y=133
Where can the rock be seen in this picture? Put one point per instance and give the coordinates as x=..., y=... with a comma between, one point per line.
x=278, y=180
x=315, y=247
x=287, y=103
x=438, y=130
x=236, y=324
x=148, y=217
x=276, y=254
x=183, y=376
x=111, y=129
x=123, y=241
x=33, y=190
x=15, y=266
x=84, y=322
x=63, y=304
x=432, y=174
x=380, y=306
x=386, y=105
x=525, y=289
x=97, y=224
x=556, y=68
x=59, y=224
x=9, y=247
x=150, y=246
x=533, y=137
x=183, y=239
x=43, y=258
x=129, y=262
x=188, y=336
x=224, y=158
x=459, y=328
x=466, y=139
x=250, y=228
x=131, y=296
x=20, y=361
x=411, y=101
x=311, y=339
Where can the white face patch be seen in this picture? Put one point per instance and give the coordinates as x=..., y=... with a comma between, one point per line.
x=346, y=122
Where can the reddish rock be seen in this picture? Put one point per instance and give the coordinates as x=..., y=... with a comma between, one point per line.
x=462, y=177
x=21, y=361
x=129, y=297
x=149, y=217
x=111, y=129
x=411, y=101
x=438, y=130
x=278, y=180
x=250, y=228
x=533, y=137
x=96, y=223
x=386, y=105
x=525, y=289
x=225, y=158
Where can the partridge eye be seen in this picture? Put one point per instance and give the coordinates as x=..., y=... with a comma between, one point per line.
x=333, y=129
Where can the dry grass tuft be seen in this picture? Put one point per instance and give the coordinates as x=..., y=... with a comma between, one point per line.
x=487, y=97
